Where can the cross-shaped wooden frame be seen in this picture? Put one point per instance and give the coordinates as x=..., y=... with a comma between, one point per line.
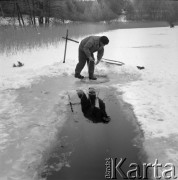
x=67, y=38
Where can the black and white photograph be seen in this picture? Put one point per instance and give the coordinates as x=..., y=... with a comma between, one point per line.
x=88, y=89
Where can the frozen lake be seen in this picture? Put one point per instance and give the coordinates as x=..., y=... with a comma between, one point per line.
x=152, y=92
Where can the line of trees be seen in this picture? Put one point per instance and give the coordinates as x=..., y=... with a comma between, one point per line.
x=93, y=10
x=166, y=10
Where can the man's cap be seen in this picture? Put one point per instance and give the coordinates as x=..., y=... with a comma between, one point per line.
x=104, y=40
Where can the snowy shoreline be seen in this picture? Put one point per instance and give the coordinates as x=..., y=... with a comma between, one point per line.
x=11, y=21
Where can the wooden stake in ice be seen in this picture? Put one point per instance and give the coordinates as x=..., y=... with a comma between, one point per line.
x=65, y=47
x=67, y=38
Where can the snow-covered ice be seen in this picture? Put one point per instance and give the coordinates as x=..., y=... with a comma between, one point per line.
x=154, y=97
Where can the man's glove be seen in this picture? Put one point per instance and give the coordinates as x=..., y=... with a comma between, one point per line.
x=91, y=59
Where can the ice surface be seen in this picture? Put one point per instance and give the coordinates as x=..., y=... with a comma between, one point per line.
x=154, y=97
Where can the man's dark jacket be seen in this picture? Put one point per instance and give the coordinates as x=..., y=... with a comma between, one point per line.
x=90, y=45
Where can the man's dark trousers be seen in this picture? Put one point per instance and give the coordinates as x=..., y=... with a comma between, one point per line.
x=82, y=61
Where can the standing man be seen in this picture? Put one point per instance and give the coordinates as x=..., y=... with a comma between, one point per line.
x=87, y=47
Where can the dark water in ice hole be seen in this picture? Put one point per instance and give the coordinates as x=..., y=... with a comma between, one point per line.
x=91, y=143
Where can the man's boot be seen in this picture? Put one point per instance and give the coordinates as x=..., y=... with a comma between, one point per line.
x=92, y=77
x=77, y=75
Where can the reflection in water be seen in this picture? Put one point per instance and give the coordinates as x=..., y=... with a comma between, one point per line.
x=89, y=109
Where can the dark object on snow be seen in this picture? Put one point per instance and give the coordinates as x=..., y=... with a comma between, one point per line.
x=18, y=65
x=140, y=67
x=90, y=111
x=171, y=25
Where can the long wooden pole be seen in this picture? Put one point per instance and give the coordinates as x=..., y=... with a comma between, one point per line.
x=65, y=46
x=113, y=60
